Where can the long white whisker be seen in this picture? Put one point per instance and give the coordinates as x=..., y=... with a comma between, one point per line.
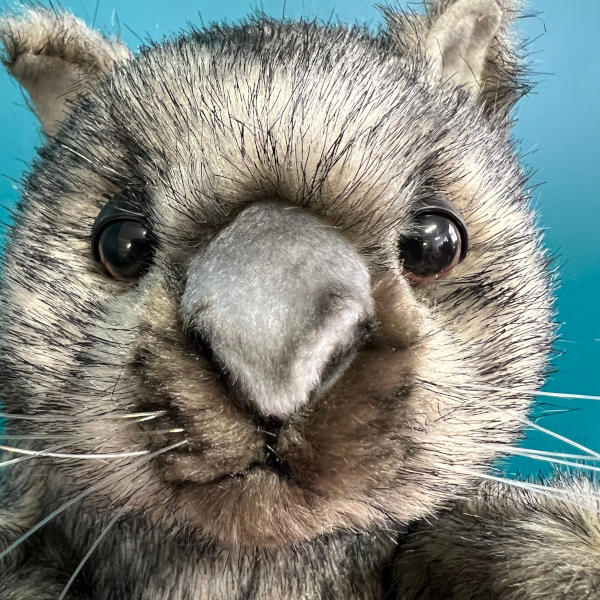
x=93, y=547
x=49, y=417
x=514, y=415
x=30, y=454
x=145, y=416
x=531, y=487
x=58, y=436
x=103, y=483
x=526, y=485
x=562, y=438
x=556, y=461
x=491, y=388
x=51, y=453
x=511, y=450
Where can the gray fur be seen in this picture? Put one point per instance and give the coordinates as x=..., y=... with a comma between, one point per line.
x=289, y=284
x=334, y=500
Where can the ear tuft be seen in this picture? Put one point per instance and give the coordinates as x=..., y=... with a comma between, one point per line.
x=55, y=56
x=467, y=43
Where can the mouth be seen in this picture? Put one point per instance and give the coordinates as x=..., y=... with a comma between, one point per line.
x=280, y=469
x=228, y=441
x=188, y=464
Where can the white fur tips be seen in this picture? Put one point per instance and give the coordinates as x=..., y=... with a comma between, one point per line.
x=54, y=56
x=460, y=38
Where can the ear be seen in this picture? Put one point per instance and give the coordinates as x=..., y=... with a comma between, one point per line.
x=55, y=56
x=467, y=43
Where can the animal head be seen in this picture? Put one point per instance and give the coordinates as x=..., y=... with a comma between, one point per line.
x=286, y=263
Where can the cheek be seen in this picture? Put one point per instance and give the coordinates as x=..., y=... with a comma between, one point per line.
x=364, y=424
x=357, y=429
x=388, y=429
x=100, y=390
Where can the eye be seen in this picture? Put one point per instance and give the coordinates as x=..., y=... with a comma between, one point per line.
x=438, y=242
x=121, y=240
x=125, y=250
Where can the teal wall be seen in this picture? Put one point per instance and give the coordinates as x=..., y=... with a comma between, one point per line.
x=558, y=130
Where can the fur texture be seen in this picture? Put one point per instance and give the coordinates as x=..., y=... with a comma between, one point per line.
x=507, y=544
x=286, y=464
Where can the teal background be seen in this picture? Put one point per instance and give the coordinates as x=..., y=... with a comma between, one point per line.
x=558, y=131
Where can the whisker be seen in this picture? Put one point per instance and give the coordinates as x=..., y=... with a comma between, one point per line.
x=96, y=543
x=549, y=453
x=143, y=416
x=526, y=485
x=562, y=438
x=556, y=461
x=100, y=537
x=491, y=388
x=102, y=483
x=142, y=419
x=58, y=436
x=30, y=454
x=48, y=418
x=266, y=432
x=543, y=490
x=51, y=453
x=435, y=387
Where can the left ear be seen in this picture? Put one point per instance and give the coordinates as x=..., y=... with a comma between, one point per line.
x=467, y=43
x=55, y=56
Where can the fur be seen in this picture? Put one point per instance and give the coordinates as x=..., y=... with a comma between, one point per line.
x=265, y=495
x=509, y=544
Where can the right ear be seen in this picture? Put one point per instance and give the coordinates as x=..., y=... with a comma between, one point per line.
x=467, y=44
x=55, y=56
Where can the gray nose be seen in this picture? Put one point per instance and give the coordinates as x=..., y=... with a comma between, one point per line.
x=279, y=296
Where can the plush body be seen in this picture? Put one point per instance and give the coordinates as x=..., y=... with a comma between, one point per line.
x=277, y=401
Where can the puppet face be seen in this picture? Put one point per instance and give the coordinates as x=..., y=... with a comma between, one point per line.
x=304, y=254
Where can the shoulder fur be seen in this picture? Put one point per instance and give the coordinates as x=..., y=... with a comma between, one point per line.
x=508, y=543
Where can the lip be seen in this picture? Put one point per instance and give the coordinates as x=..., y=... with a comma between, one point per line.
x=177, y=468
x=188, y=465
x=282, y=471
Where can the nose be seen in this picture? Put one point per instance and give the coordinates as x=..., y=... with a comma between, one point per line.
x=280, y=297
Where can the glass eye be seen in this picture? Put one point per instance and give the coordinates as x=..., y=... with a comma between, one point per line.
x=124, y=248
x=436, y=246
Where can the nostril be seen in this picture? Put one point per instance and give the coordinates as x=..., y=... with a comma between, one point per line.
x=342, y=358
x=201, y=345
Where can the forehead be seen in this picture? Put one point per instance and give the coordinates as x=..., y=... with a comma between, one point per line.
x=329, y=118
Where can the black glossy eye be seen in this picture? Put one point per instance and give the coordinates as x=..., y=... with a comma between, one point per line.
x=438, y=243
x=120, y=238
x=124, y=248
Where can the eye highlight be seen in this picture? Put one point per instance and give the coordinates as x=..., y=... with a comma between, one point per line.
x=437, y=243
x=121, y=241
